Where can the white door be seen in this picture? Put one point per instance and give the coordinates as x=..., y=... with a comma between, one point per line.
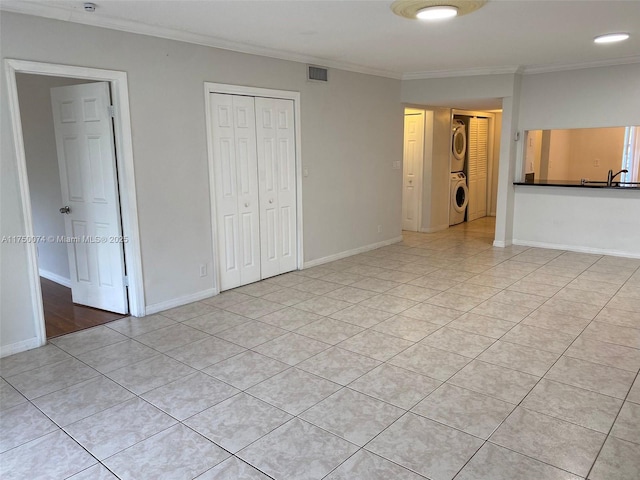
x=277, y=184
x=478, y=166
x=412, y=170
x=86, y=158
x=236, y=183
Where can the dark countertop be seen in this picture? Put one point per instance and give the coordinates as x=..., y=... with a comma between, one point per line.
x=577, y=184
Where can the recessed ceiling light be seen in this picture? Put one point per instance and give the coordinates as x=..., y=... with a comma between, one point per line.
x=437, y=13
x=611, y=38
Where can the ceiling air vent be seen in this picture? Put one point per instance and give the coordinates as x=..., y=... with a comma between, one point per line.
x=317, y=74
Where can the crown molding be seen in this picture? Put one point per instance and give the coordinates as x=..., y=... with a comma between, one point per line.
x=467, y=72
x=533, y=69
x=81, y=17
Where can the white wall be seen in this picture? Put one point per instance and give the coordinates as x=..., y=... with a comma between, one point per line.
x=351, y=135
x=42, y=168
x=495, y=163
x=440, y=170
x=593, y=220
x=594, y=97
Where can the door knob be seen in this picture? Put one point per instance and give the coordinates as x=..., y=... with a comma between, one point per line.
x=271, y=200
x=246, y=204
x=66, y=210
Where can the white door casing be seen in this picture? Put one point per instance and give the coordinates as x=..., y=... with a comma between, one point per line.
x=236, y=184
x=412, y=171
x=86, y=158
x=275, y=129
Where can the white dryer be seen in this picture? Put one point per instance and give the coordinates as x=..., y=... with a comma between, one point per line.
x=458, y=145
x=459, y=198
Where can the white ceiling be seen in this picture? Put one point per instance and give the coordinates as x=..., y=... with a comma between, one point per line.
x=365, y=36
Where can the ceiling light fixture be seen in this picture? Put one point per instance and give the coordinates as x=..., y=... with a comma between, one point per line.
x=611, y=38
x=440, y=9
x=437, y=13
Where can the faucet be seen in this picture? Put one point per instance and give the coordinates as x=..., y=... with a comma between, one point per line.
x=611, y=176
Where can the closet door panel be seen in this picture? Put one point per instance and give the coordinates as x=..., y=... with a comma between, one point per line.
x=276, y=171
x=236, y=184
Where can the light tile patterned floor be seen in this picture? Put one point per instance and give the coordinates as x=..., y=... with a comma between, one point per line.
x=439, y=357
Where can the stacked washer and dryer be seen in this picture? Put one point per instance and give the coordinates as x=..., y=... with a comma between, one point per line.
x=459, y=193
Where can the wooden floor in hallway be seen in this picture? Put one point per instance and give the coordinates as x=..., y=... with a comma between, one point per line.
x=62, y=316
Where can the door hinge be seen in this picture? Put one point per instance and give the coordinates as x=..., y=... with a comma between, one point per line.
x=125, y=280
x=112, y=111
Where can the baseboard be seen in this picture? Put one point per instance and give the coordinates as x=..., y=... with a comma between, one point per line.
x=12, y=349
x=578, y=249
x=54, y=277
x=500, y=243
x=435, y=229
x=349, y=253
x=178, y=302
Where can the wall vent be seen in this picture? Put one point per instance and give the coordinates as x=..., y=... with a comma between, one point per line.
x=317, y=74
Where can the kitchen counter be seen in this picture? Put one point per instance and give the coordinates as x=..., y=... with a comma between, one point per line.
x=576, y=184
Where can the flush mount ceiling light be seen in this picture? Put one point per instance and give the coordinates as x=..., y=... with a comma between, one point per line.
x=611, y=38
x=435, y=9
x=437, y=13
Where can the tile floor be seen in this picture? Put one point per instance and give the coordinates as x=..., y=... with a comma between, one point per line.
x=439, y=357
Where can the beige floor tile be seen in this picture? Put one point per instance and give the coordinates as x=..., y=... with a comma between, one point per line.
x=353, y=416
x=238, y=421
x=465, y=410
x=576, y=405
x=395, y=385
x=618, y=460
x=458, y=341
x=497, y=463
x=627, y=425
x=591, y=376
x=158, y=457
x=426, y=447
x=298, y=450
x=558, y=443
x=339, y=365
x=365, y=465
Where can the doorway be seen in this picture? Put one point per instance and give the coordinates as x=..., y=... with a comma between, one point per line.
x=44, y=295
x=253, y=139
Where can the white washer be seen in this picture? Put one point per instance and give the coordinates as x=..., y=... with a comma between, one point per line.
x=458, y=145
x=459, y=198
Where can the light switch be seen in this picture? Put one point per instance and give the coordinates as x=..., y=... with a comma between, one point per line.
x=305, y=172
x=596, y=162
x=396, y=165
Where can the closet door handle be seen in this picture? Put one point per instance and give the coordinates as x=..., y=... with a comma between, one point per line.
x=271, y=200
x=246, y=204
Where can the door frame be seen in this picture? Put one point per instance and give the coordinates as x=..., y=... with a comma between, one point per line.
x=126, y=177
x=491, y=132
x=209, y=88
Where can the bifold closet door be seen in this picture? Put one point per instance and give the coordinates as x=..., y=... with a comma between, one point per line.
x=255, y=183
x=277, y=185
x=237, y=194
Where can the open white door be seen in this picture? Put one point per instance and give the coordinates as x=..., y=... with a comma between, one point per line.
x=86, y=158
x=412, y=170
